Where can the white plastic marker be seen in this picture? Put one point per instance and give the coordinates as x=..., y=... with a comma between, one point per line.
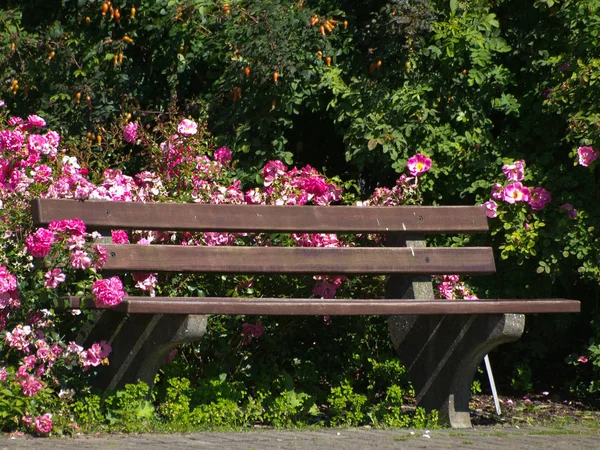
x=488, y=368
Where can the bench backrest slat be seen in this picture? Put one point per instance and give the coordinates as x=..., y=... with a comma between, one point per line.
x=223, y=259
x=100, y=215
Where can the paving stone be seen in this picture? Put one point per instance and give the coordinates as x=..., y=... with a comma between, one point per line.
x=332, y=439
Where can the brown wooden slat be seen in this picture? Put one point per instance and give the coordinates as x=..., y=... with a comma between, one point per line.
x=298, y=306
x=261, y=218
x=311, y=260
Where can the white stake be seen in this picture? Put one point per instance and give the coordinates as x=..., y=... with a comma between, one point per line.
x=488, y=368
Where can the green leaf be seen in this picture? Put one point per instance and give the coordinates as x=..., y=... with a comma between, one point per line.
x=372, y=144
x=453, y=5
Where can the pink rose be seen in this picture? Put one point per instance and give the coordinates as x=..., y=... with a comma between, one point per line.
x=325, y=289
x=130, y=132
x=54, y=278
x=418, y=164
x=108, y=292
x=36, y=121
x=516, y=192
x=187, y=127
x=39, y=243
x=43, y=424
x=80, y=260
x=75, y=227
x=497, y=191
x=570, y=210
x=587, y=155
x=514, y=172
x=223, y=155
x=491, y=209
x=540, y=197
x=119, y=237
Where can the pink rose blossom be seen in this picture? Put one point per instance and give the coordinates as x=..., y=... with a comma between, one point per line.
x=3, y=374
x=491, y=209
x=80, y=260
x=119, y=237
x=582, y=359
x=29, y=362
x=101, y=255
x=108, y=292
x=497, y=191
x=515, y=171
x=74, y=227
x=325, y=289
x=272, y=171
x=418, y=164
x=145, y=282
x=516, y=192
x=54, y=278
x=43, y=424
x=8, y=282
x=540, y=197
x=223, y=155
x=39, y=243
x=31, y=386
x=130, y=132
x=187, y=127
x=36, y=121
x=587, y=155
x=250, y=331
x=570, y=210
x=446, y=290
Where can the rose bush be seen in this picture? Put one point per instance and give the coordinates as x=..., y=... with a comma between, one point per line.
x=45, y=265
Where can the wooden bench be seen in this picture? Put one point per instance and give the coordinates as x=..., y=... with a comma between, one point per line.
x=441, y=342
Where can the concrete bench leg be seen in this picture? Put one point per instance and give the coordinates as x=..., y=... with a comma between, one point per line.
x=140, y=343
x=442, y=352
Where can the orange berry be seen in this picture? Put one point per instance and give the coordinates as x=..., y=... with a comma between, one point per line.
x=247, y=71
x=52, y=54
x=99, y=139
x=78, y=97
x=132, y=13
x=237, y=94
x=328, y=61
x=379, y=64
x=104, y=8
x=275, y=77
x=322, y=28
x=345, y=24
x=117, y=15
x=88, y=20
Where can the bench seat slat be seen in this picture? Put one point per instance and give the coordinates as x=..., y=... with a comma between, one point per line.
x=310, y=260
x=301, y=306
x=101, y=215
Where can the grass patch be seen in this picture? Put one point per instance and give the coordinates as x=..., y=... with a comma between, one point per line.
x=550, y=432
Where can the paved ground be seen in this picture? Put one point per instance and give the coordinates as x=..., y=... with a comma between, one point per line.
x=364, y=438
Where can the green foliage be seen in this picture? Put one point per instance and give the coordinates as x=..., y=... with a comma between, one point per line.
x=130, y=409
x=347, y=407
x=88, y=411
x=12, y=405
